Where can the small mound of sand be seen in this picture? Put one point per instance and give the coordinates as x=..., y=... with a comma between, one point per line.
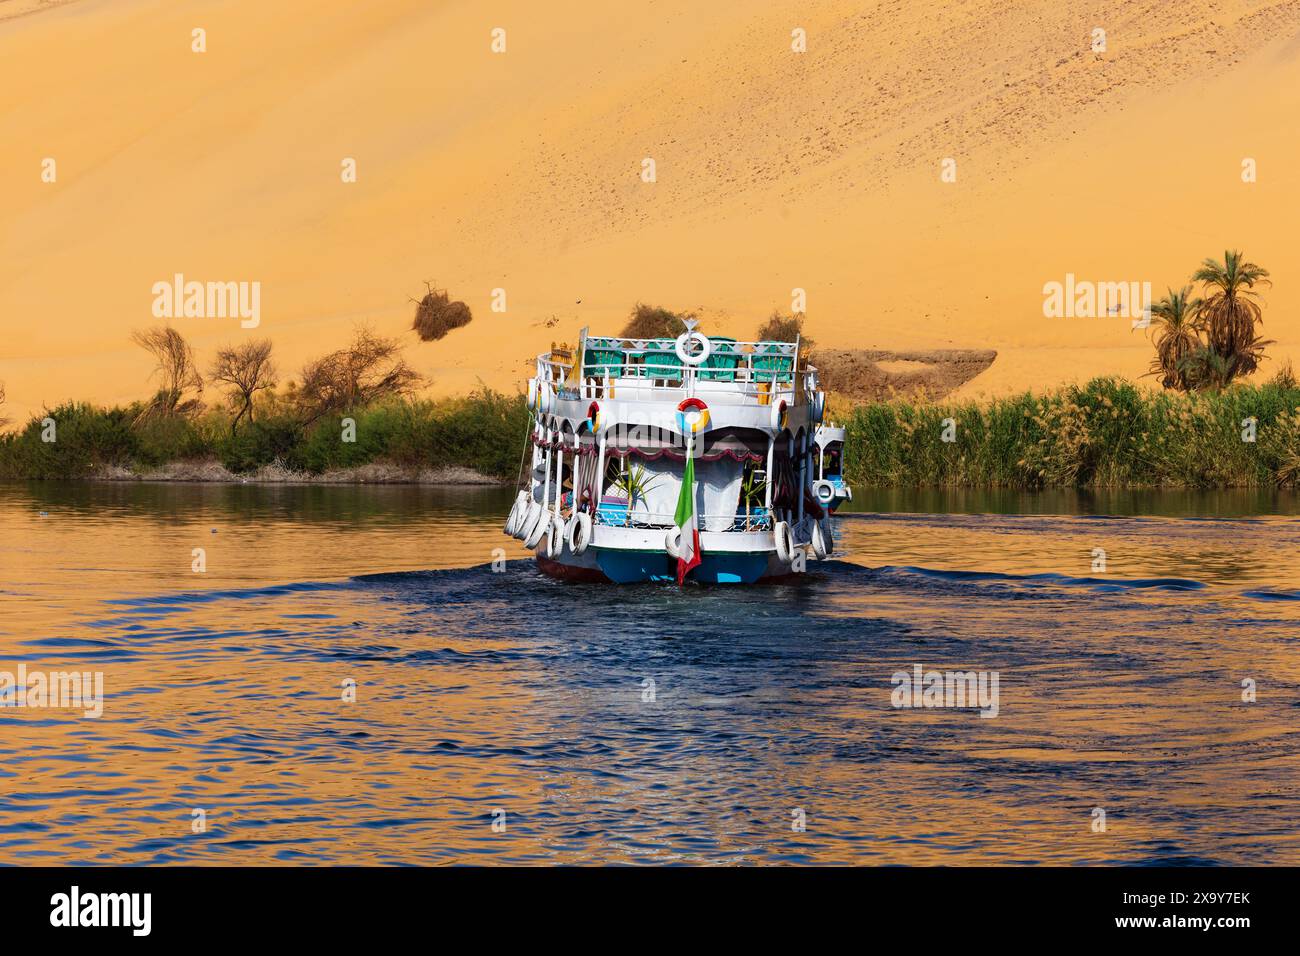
x=873, y=375
x=207, y=469
x=278, y=473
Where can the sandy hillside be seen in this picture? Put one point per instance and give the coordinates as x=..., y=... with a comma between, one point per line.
x=522, y=171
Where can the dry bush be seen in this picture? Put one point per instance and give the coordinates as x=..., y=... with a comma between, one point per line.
x=177, y=368
x=3, y=421
x=370, y=369
x=654, y=322
x=1283, y=378
x=246, y=369
x=784, y=328
x=436, y=315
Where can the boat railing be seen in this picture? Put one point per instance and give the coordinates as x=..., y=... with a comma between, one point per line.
x=553, y=370
x=738, y=373
x=620, y=518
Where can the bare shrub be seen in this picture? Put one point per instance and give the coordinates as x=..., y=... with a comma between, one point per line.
x=246, y=369
x=368, y=370
x=178, y=369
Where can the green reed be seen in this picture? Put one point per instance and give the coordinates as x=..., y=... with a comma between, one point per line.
x=483, y=431
x=1106, y=434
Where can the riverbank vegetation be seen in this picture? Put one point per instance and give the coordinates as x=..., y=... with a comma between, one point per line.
x=483, y=432
x=1106, y=434
x=353, y=414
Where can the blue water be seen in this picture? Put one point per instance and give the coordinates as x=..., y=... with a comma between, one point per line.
x=487, y=693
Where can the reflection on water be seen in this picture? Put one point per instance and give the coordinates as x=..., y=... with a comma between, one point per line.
x=481, y=692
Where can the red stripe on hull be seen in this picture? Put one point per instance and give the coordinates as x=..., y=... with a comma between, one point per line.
x=567, y=572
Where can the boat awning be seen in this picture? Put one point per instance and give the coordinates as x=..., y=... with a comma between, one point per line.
x=736, y=444
x=650, y=443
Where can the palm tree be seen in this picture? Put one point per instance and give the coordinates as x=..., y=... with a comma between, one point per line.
x=1230, y=313
x=636, y=482
x=1175, y=337
x=1204, y=368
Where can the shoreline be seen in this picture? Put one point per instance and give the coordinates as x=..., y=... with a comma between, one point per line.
x=213, y=472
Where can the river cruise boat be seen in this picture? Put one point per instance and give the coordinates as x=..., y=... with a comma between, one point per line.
x=696, y=458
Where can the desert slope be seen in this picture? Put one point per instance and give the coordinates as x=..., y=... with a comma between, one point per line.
x=522, y=170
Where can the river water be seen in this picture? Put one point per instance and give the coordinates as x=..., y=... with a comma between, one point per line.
x=503, y=717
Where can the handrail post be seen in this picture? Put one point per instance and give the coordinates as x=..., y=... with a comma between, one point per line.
x=771, y=457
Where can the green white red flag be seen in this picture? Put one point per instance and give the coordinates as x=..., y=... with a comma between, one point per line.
x=688, y=553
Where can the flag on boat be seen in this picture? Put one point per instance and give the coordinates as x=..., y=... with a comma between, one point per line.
x=692, y=419
x=688, y=553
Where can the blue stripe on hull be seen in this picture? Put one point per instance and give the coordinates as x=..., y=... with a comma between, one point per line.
x=629, y=567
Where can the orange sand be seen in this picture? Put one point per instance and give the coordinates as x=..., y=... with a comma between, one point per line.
x=522, y=171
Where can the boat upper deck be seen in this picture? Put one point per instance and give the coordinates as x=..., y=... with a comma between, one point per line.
x=723, y=371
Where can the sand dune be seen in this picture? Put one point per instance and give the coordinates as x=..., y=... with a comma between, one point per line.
x=522, y=171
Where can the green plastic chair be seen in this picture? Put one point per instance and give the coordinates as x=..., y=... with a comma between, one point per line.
x=765, y=364
x=663, y=362
x=599, y=361
x=721, y=364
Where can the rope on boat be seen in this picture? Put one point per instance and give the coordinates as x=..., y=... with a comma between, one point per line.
x=523, y=455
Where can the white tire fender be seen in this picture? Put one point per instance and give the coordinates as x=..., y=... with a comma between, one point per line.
x=819, y=541
x=823, y=491
x=516, y=512
x=579, y=532
x=527, y=515
x=672, y=542
x=554, y=537
x=784, y=541
x=536, y=528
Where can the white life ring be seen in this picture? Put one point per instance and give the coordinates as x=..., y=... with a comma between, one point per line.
x=554, y=537
x=579, y=532
x=784, y=541
x=532, y=394
x=819, y=541
x=671, y=544
x=823, y=491
x=779, y=416
x=536, y=528
x=516, y=512
x=706, y=348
